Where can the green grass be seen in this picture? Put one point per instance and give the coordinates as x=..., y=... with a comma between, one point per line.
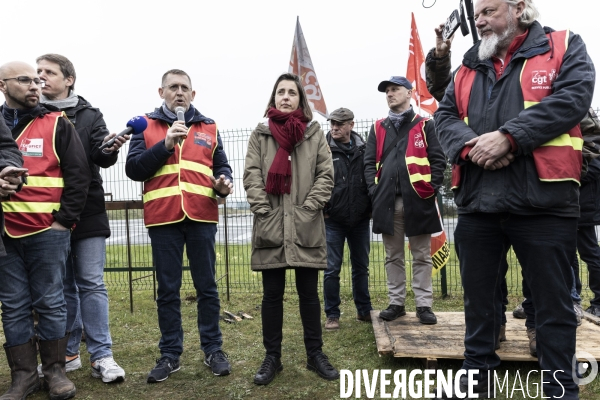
x=135, y=337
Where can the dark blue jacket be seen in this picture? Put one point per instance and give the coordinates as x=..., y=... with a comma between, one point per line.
x=589, y=195
x=143, y=163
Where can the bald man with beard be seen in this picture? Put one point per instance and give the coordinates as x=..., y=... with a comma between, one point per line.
x=38, y=223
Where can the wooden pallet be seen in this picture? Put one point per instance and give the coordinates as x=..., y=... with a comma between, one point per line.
x=406, y=337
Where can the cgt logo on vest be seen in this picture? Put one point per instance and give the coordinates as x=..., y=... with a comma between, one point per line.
x=32, y=147
x=541, y=79
x=419, y=142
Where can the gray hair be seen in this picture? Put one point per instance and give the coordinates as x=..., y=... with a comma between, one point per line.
x=530, y=12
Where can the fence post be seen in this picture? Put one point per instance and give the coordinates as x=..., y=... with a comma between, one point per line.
x=130, y=267
x=226, y=247
x=443, y=280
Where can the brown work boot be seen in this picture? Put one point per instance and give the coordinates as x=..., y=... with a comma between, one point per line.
x=364, y=318
x=332, y=324
x=532, y=342
x=53, y=353
x=22, y=361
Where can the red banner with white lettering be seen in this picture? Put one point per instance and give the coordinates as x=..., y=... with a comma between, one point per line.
x=415, y=72
x=301, y=65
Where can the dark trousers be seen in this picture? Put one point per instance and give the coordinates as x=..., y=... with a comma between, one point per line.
x=272, y=309
x=543, y=245
x=587, y=246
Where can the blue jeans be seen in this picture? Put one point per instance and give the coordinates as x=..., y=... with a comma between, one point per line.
x=87, y=298
x=167, y=249
x=32, y=275
x=544, y=245
x=359, y=245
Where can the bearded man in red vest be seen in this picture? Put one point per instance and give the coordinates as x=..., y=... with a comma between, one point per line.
x=38, y=226
x=509, y=123
x=404, y=169
x=180, y=159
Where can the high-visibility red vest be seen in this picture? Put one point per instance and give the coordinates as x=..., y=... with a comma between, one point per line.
x=559, y=159
x=29, y=211
x=417, y=163
x=182, y=187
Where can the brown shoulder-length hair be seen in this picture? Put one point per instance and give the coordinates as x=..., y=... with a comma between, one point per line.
x=303, y=100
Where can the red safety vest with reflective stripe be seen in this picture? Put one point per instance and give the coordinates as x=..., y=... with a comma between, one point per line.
x=559, y=159
x=29, y=211
x=417, y=163
x=182, y=187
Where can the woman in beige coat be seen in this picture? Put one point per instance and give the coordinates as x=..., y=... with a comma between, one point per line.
x=288, y=178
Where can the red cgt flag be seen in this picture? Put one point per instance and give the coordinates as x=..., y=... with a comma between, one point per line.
x=301, y=65
x=415, y=72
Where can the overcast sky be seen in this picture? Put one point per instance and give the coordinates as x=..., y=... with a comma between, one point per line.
x=234, y=50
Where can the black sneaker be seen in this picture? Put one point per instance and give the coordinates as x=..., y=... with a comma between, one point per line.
x=593, y=310
x=164, y=367
x=519, y=312
x=392, y=312
x=321, y=365
x=218, y=363
x=266, y=373
x=426, y=316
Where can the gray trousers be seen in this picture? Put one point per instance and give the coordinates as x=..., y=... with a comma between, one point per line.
x=420, y=248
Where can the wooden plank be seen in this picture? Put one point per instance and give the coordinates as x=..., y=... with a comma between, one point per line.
x=406, y=337
x=384, y=345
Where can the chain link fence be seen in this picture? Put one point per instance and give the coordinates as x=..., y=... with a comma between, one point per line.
x=129, y=254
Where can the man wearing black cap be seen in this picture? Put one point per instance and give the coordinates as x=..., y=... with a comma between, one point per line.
x=404, y=168
x=347, y=216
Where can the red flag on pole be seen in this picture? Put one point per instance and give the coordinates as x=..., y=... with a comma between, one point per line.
x=301, y=65
x=415, y=72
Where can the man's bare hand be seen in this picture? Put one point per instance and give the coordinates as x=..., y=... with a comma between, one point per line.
x=222, y=186
x=120, y=141
x=58, y=227
x=10, y=179
x=176, y=132
x=501, y=162
x=442, y=47
x=488, y=148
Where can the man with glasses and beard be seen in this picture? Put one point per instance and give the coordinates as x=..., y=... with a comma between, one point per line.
x=509, y=123
x=38, y=223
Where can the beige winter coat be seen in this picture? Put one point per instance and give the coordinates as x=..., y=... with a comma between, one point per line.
x=289, y=230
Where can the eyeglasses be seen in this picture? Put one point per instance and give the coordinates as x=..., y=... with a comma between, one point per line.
x=26, y=81
x=175, y=88
x=338, y=123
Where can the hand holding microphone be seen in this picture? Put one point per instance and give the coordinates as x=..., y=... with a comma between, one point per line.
x=134, y=125
x=178, y=131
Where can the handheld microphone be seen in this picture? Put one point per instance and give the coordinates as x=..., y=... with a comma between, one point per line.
x=134, y=125
x=180, y=117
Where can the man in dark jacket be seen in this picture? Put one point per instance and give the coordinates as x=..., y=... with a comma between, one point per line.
x=517, y=165
x=38, y=220
x=347, y=217
x=182, y=176
x=10, y=158
x=84, y=289
x=404, y=168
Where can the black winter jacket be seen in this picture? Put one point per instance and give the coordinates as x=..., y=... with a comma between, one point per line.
x=589, y=195
x=420, y=216
x=10, y=156
x=498, y=105
x=350, y=201
x=92, y=130
x=73, y=164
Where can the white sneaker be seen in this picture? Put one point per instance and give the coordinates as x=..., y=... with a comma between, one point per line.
x=107, y=369
x=578, y=312
x=70, y=365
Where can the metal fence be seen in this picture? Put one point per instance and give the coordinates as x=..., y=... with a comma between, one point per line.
x=129, y=257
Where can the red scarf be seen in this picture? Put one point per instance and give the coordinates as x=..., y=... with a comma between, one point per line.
x=287, y=129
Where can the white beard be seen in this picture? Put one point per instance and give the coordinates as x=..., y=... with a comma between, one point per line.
x=490, y=45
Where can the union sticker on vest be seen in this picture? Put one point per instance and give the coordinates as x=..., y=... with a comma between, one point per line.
x=202, y=139
x=32, y=147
